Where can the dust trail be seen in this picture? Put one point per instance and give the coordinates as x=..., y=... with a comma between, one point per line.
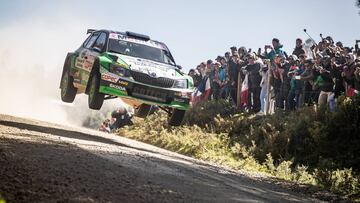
x=31, y=60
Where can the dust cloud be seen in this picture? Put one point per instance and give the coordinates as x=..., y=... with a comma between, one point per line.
x=31, y=60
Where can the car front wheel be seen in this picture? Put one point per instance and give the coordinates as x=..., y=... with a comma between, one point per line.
x=95, y=99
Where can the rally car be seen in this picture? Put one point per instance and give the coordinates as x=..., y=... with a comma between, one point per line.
x=139, y=70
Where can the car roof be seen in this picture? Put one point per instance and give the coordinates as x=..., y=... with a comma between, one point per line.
x=123, y=33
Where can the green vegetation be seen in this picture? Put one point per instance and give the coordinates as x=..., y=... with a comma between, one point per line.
x=309, y=146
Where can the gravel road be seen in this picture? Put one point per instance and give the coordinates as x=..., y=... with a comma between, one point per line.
x=44, y=162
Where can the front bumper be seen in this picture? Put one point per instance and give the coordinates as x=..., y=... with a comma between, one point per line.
x=143, y=93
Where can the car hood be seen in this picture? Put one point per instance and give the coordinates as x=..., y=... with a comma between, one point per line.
x=149, y=67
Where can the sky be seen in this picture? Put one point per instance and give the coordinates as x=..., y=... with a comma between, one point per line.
x=35, y=36
x=193, y=30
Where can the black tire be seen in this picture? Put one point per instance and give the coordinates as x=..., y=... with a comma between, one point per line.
x=143, y=110
x=176, y=117
x=95, y=98
x=68, y=91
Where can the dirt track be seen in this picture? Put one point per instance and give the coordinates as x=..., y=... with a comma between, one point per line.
x=43, y=162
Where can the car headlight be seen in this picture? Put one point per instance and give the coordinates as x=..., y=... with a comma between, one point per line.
x=182, y=83
x=118, y=70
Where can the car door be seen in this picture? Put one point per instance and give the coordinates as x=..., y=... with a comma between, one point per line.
x=94, y=51
x=81, y=71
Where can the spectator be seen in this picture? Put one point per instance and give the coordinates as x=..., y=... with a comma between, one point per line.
x=325, y=83
x=307, y=77
x=233, y=50
x=105, y=126
x=224, y=78
x=233, y=75
x=299, y=50
x=227, y=56
x=195, y=76
x=264, y=87
x=295, y=89
x=276, y=49
x=277, y=81
x=242, y=53
x=296, y=79
x=254, y=79
x=216, y=82
x=202, y=69
x=218, y=59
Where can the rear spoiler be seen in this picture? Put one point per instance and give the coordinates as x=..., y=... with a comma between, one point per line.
x=89, y=31
x=137, y=35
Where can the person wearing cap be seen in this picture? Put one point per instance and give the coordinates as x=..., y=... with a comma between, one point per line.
x=242, y=51
x=298, y=48
x=233, y=50
x=254, y=79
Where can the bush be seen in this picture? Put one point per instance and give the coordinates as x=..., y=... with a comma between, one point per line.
x=308, y=146
x=203, y=113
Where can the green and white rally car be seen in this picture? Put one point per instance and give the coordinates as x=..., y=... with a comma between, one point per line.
x=141, y=71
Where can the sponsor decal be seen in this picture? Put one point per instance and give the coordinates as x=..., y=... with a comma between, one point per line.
x=114, y=36
x=117, y=87
x=123, y=83
x=110, y=78
x=135, y=40
x=79, y=63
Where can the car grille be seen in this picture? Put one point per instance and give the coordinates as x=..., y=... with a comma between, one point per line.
x=146, y=79
x=151, y=94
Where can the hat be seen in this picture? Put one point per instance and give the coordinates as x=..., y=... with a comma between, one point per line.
x=233, y=48
x=293, y=57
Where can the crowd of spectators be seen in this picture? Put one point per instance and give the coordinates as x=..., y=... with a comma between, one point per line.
x=314, y=73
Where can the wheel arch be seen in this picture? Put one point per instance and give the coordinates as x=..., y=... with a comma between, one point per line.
x=65, y=67
x=95, y=69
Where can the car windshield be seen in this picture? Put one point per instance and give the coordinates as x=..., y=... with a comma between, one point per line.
x=140, y=51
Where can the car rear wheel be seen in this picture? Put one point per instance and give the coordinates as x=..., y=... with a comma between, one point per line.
x=95, y=99
x=143, y=110
x=68, y=91
x=176, y=117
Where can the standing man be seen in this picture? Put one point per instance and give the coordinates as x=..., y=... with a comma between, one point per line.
x=299, y=50
x=254, y=79
x=276, y=49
